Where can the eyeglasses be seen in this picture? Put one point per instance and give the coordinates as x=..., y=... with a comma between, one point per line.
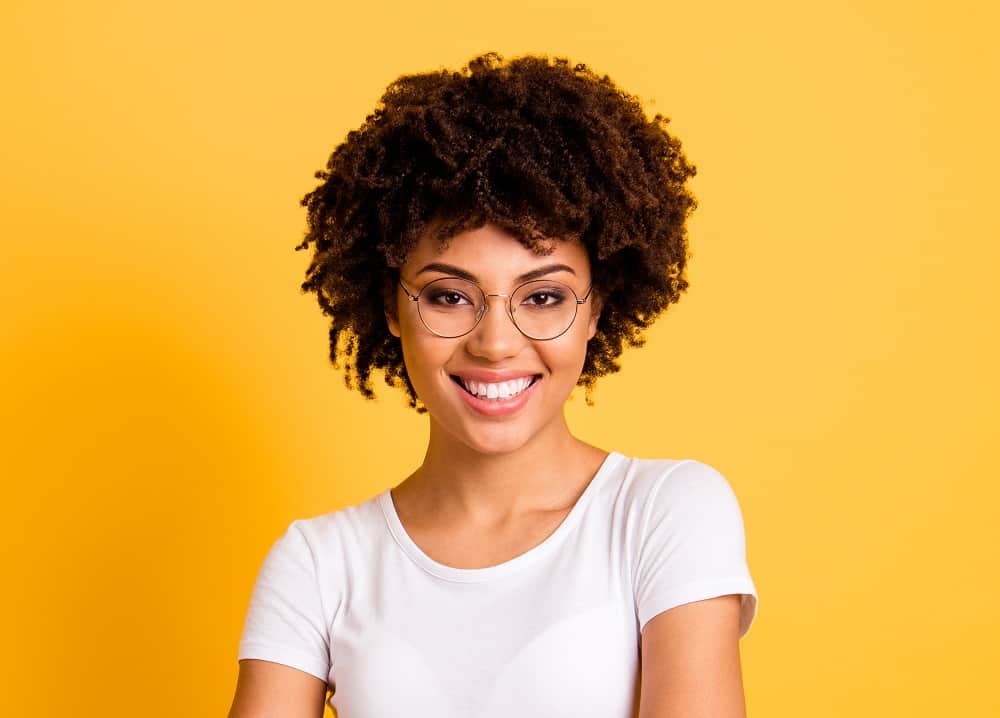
x=541, y=309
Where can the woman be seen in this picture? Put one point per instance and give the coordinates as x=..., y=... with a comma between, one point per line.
x=489, y=239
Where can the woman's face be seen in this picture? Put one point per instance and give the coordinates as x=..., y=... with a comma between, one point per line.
x=539, y=374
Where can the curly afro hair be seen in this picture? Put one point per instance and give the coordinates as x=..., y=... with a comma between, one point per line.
x=536, y=146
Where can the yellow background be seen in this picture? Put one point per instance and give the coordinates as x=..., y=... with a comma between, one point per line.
x=167, y=408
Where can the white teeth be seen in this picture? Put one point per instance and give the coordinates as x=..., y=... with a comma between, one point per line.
x=500, y=390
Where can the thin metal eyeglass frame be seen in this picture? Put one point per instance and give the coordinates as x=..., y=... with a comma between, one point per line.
x=486, y=307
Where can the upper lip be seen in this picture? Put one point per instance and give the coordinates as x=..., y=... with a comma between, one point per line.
x=492, y=377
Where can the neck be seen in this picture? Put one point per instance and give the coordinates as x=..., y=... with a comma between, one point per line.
x=546, y=474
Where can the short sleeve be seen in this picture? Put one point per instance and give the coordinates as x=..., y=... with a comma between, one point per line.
x=285, y=620
x=692, y=544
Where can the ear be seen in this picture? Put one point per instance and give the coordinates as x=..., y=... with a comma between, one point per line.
x=393, y=323
x=595, y=315
x=389, y=308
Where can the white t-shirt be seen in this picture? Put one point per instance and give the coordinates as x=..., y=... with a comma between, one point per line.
x=349, y=598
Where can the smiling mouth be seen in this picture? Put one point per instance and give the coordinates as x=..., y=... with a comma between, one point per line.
x=496, y=391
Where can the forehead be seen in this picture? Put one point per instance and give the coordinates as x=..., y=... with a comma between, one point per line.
x=490, y=249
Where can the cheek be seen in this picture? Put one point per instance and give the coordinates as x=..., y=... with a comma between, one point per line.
x=567, y=356
x=423, y=357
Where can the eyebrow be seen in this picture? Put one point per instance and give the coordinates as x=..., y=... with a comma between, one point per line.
x=526, y=277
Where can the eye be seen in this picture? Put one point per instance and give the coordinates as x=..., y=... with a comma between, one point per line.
x=447, y=298
x=549, y=297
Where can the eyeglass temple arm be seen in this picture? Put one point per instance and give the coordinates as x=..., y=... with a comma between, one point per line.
x=411, y=297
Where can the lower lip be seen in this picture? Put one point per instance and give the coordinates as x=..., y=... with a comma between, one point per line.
x=498, y=407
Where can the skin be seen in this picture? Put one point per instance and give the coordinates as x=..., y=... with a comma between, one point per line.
x=691, y=662
x=491, y=473
x=493, y=487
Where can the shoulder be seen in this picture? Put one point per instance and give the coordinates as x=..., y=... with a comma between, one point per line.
x=684, y=483
x=325, y=547
x=346, y=527
x=689, y=496
x=669, y=503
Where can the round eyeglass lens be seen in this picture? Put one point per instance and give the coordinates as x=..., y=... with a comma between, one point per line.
x=543, y=309
x=451, y=307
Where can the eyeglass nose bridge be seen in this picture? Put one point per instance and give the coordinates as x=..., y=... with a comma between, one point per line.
x=486, y=307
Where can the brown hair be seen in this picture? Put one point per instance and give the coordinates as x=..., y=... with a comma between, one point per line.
x=537, y=146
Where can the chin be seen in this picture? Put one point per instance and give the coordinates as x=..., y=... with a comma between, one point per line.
x=493, y=441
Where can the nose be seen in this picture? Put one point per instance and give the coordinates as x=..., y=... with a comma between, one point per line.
x=495, y=338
